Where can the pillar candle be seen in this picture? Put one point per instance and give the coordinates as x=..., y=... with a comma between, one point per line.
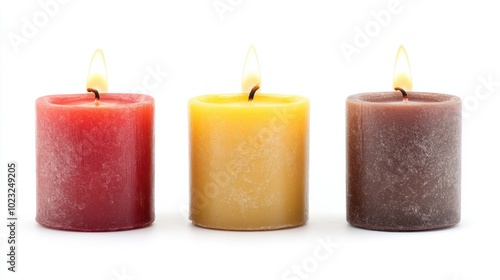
x=403, y=160
x=95, y=164
x=249, y=161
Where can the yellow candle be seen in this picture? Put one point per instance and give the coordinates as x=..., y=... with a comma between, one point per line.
x=249, y=161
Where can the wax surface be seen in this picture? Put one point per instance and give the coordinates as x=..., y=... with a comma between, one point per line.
x=403, y=161
x=95, y=164
x=249, y=161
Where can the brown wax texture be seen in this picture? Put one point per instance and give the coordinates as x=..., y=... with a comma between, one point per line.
x=403, y=160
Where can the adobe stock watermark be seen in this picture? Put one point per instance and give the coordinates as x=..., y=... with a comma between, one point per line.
x=152, y=79
x=84, y=148
x=323, y=251
x=121, y=275
x=222, y=7
x=31, y=25
x=246, y=152
x=486, y=88
x=364, y=34
x=184, y=211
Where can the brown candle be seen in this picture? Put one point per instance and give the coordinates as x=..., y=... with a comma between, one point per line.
x=403, y=160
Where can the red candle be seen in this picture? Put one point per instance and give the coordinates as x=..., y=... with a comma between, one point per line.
x=403, y=157
x=95, y=161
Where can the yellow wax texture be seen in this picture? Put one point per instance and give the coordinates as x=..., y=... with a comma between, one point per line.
x=249, y=161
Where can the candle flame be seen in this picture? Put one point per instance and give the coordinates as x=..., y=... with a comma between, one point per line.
x=402, y=73
x=97, y=77
x=251, y=71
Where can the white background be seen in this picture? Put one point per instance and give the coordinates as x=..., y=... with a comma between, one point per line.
x=453, y=46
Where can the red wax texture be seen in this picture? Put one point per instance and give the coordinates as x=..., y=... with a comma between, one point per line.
x=95, y=164
x=403, y=161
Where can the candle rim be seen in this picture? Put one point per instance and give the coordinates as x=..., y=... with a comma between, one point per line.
x=238, y=99
x=126, y=99
x=392, y=97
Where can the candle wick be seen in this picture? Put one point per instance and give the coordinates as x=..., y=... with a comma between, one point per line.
x=252, y=92
x=405, y=96
x=96, y=93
